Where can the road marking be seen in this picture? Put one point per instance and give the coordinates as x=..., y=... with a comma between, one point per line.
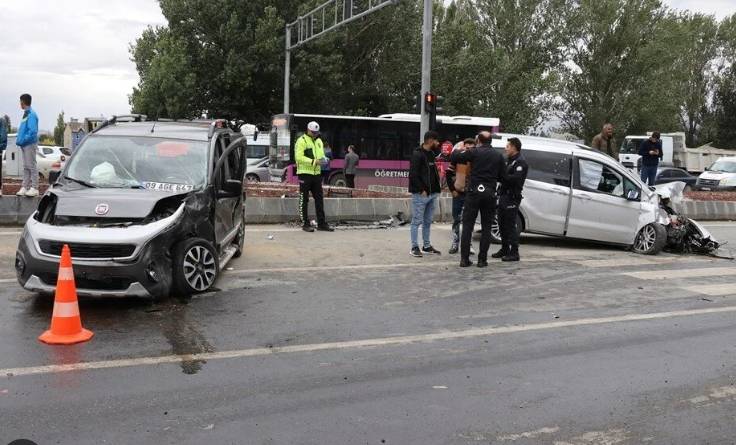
x=732, y=225
x=529, y=434
x=8, y=280
x=610, y=437
x=682, y=273
x=713, y=289
x=357, y=344
x=10, y=233
x=329, y=268
x=628, y=261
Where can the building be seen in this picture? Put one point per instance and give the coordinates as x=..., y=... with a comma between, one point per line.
x=75, y=131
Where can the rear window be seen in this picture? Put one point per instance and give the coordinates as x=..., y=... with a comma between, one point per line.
x=549, y=167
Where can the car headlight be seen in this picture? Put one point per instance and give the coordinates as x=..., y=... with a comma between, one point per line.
x=729, y=182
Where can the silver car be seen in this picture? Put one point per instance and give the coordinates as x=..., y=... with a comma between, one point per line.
x=258, y=171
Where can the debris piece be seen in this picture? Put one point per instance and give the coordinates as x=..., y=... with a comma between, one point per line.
x=555, y=315
x=209, y=427
x=707, y=299
x=229, y=268
x=269, y=237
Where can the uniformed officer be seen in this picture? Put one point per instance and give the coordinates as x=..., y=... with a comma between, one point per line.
x=488, y=169
x=509, y=201
x=310, y=155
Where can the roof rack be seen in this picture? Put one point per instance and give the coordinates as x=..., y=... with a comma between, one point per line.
x=123, y=118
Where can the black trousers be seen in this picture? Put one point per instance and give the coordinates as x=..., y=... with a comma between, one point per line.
x=311, y=184
x=485, y=204
x=350, y=180
x=508, y=208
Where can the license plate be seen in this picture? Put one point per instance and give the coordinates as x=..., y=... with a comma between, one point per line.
x=707, y=189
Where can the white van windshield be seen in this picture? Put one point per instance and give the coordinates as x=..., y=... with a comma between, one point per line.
x=140, y=162
x=724, y=166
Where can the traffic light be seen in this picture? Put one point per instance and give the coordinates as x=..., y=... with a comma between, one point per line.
x=433, y=107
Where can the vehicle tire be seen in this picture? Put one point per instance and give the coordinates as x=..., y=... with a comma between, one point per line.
x=338, y=180
x=496, y=230
x=252, y=178
x=195, y=266
x=650, y=240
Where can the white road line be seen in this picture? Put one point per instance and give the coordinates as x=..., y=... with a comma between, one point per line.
x=628, y=261
x=8, y=280
x=713, y=289
x=356, y=344
x=10, y=233
x=329, y=267
x=682, y=273
x=732, y=225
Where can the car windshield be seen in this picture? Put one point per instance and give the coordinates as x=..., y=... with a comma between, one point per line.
x=631, y=146
x=256, y=151
x=140, y=162
x=724, y=166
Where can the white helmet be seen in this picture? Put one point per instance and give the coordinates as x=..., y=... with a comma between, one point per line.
x=313, y=127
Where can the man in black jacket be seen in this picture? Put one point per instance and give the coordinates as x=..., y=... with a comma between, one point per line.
x=424, y=186
x=458, y=197
x=509, y=201
x=487, y=171
x=651, y=153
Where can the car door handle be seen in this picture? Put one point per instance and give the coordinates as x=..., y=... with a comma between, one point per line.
x=584, y=196
x=560, y=191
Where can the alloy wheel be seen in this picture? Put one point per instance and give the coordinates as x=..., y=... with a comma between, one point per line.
x=646, y=239
x=200, y=269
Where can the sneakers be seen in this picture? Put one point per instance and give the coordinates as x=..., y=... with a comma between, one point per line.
x=510, y=257
x=432, y=250
x=500, y=254
x=325, y=228
x=31, y=192
x=309, y=229
x=415, y=252
x=453, y=249
x=21, y=192
x=472, y=251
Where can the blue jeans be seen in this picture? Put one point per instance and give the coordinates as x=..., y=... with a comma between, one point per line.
x=649, y=173
x=422, y=212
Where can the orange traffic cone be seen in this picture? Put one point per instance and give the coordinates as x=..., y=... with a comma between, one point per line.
x=66, y=324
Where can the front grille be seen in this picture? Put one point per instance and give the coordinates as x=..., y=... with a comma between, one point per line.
x=109, y=283
x=82, y=250
x=709, y=182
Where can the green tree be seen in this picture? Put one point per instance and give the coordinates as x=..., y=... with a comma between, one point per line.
x=59, y=129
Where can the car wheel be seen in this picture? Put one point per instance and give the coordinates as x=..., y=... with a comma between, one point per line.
x=252, y=178
x=650, y=240
x=195, y=266
x=338, y=180
x=496, y=229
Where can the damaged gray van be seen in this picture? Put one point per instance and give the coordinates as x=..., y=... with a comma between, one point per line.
x=147, y=208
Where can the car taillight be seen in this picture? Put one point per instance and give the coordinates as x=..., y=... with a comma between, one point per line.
x=56, y=165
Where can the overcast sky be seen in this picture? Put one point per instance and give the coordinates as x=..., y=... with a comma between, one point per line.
x=72, y=55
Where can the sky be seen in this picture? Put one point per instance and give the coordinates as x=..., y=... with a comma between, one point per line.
x=72, y=55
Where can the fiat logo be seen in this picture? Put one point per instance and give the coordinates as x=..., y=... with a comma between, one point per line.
x=102, y=209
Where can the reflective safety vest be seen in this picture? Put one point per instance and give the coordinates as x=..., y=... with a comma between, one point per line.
x=308, y=153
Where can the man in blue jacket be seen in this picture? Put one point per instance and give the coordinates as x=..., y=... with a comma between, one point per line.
x=27, y=140
x=651, y=153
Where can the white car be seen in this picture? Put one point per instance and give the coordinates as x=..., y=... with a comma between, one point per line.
x=53, y=152
x=573, y=191
x=44, y=163
x=720, y=176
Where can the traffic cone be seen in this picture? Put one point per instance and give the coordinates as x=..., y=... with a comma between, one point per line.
x=66, y=324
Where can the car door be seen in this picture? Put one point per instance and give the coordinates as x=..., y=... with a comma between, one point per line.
x=599, y=209
x=546, y=191
x=229, y=166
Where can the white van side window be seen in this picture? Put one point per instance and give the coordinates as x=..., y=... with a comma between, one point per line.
x=597, y=177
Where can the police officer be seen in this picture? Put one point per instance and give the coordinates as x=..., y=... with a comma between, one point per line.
x=488, y=169
x=310, y=155
x=509, y=200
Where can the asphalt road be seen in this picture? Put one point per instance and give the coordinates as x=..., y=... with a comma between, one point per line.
x=344, y=339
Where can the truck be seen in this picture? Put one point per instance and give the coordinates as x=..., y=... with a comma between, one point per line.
x=676, y=153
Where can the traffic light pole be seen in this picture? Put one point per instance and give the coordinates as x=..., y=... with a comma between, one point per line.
x=426, y=66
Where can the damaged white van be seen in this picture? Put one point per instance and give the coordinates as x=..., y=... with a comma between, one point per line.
x=573, y=191
x=147, y=209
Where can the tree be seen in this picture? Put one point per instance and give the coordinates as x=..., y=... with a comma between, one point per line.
x=59, y=129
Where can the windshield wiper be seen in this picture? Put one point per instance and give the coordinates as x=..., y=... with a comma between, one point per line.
x=80, y=182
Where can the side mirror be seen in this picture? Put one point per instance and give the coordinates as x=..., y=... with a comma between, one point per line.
x=707, y=169
x=54, y=176
x=633, y=195
x=232, y=188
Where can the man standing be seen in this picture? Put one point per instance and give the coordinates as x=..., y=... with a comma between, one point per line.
x=651, y=153
x=509, y=201
x=605, y=143
x=488, y=169
x=27, y=140
x=351, y=166
x=309, y=154
x=326, y=164
x=424, y=186
x=4, y=130
x=458, y=196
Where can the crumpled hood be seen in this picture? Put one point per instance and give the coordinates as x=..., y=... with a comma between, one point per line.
x=671, y=190
x=107, y=203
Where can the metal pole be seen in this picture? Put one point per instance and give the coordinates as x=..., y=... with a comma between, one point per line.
x=426, y=65
x=287, y=70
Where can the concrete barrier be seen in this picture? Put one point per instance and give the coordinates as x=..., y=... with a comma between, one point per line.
x=15, y=210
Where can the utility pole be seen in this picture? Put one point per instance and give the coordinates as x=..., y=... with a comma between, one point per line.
x=426, y=67
x=324, y=18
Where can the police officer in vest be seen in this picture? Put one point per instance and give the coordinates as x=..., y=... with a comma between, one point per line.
x=487, y=170
x=509, y=201
x=310, y=155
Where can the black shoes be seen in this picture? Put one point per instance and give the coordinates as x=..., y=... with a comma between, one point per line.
x=309, y=229
x=510, y=257
x=453, y=250
x=325, y=228
x=431, y=249
x=465, y=263
x=482, y=263
x=500, y=254
x=415, y=252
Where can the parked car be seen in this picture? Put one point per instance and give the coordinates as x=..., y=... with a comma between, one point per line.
x=573, y=191
x=720, y=176
x=145, y=210
x=44, y=164
x=671, y=174
x=52, y=152
x=258, y=172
